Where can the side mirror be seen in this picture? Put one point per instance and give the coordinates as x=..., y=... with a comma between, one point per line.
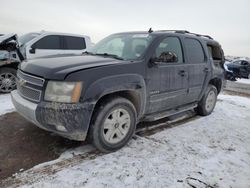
x=168, y=57
x=32, y=51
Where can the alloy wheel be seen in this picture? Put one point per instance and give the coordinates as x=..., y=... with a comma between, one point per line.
x=7, y=82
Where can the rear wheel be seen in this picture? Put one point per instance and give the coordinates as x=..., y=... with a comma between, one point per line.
x=7, y=79
x=113, y=124
x=208, y=101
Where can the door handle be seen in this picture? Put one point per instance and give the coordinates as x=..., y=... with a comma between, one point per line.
x=205, y=70
x=182, y=73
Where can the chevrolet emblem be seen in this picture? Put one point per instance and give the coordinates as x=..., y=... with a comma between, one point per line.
x=22, y=82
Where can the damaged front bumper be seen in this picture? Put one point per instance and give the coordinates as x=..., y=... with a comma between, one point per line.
x=68, y=120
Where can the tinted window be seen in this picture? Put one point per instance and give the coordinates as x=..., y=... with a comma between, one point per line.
x=195, y=52
x=215, y=52
x=74, y=43
x=170, y=44
x=244, y=63
x=48, y=42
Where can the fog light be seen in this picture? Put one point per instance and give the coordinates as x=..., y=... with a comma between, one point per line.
x=61, y=128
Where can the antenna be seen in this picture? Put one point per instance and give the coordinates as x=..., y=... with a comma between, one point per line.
x=150, y=30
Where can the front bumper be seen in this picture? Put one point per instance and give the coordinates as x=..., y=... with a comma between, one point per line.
x=68, y=120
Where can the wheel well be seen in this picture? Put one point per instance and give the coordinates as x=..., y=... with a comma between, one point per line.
x=132, y=96
x=217, y=83
x=11, y=65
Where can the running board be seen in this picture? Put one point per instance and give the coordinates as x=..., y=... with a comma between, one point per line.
x=157, y=116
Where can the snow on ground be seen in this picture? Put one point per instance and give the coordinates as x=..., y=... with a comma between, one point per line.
x=6, y=105
x=212, y=150
x=243, y=81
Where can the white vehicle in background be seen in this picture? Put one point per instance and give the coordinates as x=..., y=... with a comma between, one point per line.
x=34, y=45
x=14, y=50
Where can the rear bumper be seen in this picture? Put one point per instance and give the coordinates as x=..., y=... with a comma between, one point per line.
x=68, y=120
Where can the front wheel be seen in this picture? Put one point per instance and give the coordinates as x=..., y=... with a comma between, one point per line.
x=113, y=124
x=7, y=79
x=208, y=101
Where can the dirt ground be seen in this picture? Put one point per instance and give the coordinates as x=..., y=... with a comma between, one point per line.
x=24, y=145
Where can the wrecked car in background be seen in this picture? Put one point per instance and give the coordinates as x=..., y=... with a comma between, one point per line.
x=237, y=69
x=124, y=79
x=14, y=49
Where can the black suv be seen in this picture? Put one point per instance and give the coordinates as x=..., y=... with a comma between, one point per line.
x=124, y=79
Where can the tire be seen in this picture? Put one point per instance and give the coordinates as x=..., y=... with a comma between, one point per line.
x=113, y=124
x=7, y=79
x=208, y=101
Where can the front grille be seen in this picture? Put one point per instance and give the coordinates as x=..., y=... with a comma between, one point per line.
x=29, y=87
x=29, y=78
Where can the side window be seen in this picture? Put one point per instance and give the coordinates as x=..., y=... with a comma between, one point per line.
x=195, y=53
x=74, y=43
x=51, y=42
x=244, y=63
x=172, y=45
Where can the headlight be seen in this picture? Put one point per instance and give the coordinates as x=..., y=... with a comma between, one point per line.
x=67, y=92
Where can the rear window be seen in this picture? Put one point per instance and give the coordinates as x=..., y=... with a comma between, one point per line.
x=195, y=53
x=51, y=42
x=74, y=43
x=215, y=52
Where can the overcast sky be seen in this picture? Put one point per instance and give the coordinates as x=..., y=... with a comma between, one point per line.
x=225, y=20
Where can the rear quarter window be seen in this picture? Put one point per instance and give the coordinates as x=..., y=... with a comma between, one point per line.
x=195, y=53
x=74, y=43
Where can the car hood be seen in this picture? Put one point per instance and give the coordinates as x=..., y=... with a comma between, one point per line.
x=7, y=38
x=57, y=68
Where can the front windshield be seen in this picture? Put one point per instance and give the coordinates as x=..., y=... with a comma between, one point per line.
x=27, y=37
x=124, y=46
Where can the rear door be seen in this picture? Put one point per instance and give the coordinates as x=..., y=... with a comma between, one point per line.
x=198, y=68
x=167, y=81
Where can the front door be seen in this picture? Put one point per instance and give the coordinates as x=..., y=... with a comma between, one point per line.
x=167, y=81
x=46, y=46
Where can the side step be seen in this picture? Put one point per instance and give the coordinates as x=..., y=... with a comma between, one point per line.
x=157, y=116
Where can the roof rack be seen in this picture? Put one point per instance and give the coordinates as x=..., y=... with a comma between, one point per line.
x=186, y=32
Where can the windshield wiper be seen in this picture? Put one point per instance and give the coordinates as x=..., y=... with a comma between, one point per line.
x=109, y=55
x=87, y=53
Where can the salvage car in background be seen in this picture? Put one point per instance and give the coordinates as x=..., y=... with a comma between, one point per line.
x=238, y=69
x=14, y=49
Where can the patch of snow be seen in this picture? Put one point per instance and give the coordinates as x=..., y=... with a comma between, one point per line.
x=6, y=105
x=243, y=81
x=212, y=150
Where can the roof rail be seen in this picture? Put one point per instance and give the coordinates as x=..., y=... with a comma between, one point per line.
x=175, y=31
x=186, y=32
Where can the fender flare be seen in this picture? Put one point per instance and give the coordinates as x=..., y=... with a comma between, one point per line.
x=118, y=83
